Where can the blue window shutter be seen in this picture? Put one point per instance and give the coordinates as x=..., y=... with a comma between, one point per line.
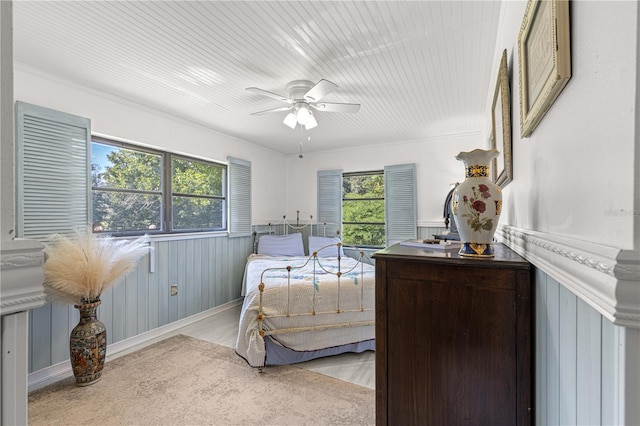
x=53, y=173
x=330, y=197
x=239, y=197
x=400, y=203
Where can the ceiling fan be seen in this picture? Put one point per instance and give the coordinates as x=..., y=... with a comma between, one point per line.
x=302, y=96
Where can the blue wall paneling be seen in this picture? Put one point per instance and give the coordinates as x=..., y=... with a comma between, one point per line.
x=208, y=272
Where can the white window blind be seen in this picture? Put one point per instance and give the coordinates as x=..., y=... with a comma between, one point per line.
x=52, y=171
x=400, y=203
x=239, y=197
x=330, y=197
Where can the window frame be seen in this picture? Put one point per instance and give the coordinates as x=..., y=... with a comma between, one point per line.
x=346, y=175
x=166, y=189
x=224, y=197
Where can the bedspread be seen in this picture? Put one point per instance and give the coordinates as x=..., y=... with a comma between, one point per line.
x=308, y=310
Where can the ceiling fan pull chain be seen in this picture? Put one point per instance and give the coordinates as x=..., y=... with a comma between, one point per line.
x=300, y=155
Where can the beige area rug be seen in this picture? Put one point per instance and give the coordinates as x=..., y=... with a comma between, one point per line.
x=187, y=381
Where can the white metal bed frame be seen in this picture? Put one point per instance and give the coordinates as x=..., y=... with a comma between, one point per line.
x=317, y=266
x=316, y=263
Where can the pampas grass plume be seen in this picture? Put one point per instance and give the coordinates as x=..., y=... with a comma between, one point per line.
x=78, y=270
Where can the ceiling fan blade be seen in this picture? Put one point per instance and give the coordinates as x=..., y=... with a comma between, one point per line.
x=320, y=90
x=269, y=94
x=335, y=107
x=267, y=111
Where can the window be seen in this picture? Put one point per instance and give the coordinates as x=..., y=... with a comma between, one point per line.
x=126, y=189
x=198, y=200
x=373, y=208
x=136, y=190
x=65, y=179
x=363, y=221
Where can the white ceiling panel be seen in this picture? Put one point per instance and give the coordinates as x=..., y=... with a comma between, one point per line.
x=418, y=68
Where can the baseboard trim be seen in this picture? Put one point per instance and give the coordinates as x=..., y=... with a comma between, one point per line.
x=62, y=370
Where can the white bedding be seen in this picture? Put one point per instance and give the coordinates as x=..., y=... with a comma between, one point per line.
x=355, y=303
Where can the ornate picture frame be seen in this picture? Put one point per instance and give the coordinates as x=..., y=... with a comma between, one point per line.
x=544, y=59
x=502, y=166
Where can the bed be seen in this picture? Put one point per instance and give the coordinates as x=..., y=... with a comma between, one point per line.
x=300, y=307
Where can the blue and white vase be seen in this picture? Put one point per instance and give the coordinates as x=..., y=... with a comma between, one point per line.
x=476, y=204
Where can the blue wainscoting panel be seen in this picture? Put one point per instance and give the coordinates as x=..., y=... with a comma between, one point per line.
x=589, y=365
x=567, y=357
x=143, y=279
x=610, y=395
x=153, y=290
x=162, y=268
x=118, y=312
x=204, y=260
x=553, y=352
x=41, y=335
x=541, y=347
x=178, y=263
x=60, y=326
x=208, y=272
x=131, y=304
x=575, y=361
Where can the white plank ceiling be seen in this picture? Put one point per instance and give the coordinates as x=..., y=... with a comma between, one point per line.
x=419, y=68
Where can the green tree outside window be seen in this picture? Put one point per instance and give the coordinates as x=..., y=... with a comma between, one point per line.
x=363, y=209
x=130, y=195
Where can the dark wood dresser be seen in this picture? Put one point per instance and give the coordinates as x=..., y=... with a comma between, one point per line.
x=453, y=338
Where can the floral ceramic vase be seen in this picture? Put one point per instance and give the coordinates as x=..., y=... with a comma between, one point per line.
x=88, y=344
x=476, y=204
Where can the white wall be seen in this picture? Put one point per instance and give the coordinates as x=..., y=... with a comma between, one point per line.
x=575, y=175
x=575, y=196
x=436, y=170
x=129, y=121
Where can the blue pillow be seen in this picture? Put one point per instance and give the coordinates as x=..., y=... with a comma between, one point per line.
x=281, y=245
x=316, y=243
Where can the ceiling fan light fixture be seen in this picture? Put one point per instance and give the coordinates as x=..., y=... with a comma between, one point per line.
x=302, y=96
x=290, y=120
x=311, y=122
x=303, y=115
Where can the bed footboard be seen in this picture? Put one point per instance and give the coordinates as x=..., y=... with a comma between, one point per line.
x=311, y=304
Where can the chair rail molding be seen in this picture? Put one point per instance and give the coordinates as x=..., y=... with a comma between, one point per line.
x=605, y=277
x=21, y=263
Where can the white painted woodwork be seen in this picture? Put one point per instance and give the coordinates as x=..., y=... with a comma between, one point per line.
x=14, y=368
x=21, y=263
x=604, y=277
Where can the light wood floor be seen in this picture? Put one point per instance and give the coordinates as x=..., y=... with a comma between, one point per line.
x=222, y=329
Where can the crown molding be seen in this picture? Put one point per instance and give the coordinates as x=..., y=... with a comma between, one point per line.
x=21, y=263
x=605, y=277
